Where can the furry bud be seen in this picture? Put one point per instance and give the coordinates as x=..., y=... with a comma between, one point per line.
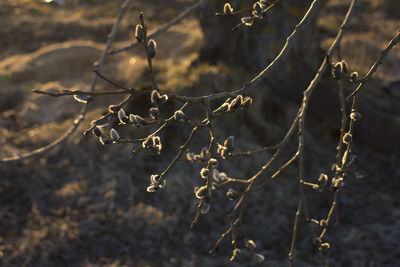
x=347, y=138
x=139, y=33
x=205, y=207
x=223, y=108
x=148, y=142
x=104, y=140
x=114, y=135
x=228, y=10
x=344, y=67
x=213, y=162
x=323, y=179
x=190, y=156
x=122, y=116
x=231, y=194
x=250, y=243
x=83, y=98
x=237, y=102
x=337, y=71
x=179, y=115
x=163, y=99
x=136, y=120
x=201, y=192
x=355, y=116
x=258, y=258
x=151, y=188
x=155, y=96
x=97, y=131
x=152, y=48
x=354, y=76
x=247, y=102
x=248, y=21
x=114, y=108
x=154, y=113
x=204, y=173
x=324, y=247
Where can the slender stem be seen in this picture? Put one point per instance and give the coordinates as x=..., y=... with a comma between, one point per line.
x=374, y=67
x=81, y=116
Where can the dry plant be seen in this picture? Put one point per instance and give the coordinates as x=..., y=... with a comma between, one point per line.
x=218, y=185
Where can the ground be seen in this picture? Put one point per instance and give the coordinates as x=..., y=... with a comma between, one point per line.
x=83, y=204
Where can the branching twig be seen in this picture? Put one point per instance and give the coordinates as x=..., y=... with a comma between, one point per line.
x=82, y=115
x=374, y=67
x=176, y=20
x=290, y=42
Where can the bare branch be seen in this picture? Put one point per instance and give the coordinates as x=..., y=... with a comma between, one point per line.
x=82, y=115
x=176, y=20
x=374, y=67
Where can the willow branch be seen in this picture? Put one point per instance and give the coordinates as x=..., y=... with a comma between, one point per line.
x=83, y=112
x=290, y=42
x=374, y=67
x=176, y=20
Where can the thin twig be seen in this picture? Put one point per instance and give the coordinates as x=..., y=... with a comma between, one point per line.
x=301, y=118
x=176, y=20
x=290, y=42
x=374, y=67
x=83, y=112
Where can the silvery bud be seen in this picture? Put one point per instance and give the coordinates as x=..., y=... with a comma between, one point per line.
x=237, y=102
x=83, y=98
x=247, y=102
x=323, y=179
x=152, y=48
x=155, y=96
x=345, y=69
x=154, y=113
x=136, y=120
x=258, y=258
x=354, y=76
x=205, y=207
x=248, y=21
x=114, y=108
x=347, y=138
x=201, y=192
x=179, y=115
x=122, y=116
x=139, y=33
x=163, y=99
x=337, y=71
x=190, y=156
x=324, y=247
x=213, y=162
x=204, y=173
x=223, y=108
x=355, y=116
x=148, y=142
x=250, y=243
x=114, y=135
x=228, y=10
x=97, y=131
x=104, y=140
x=151, y=188
x=231, y=194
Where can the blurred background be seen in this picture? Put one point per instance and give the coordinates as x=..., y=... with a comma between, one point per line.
x=84, y=204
